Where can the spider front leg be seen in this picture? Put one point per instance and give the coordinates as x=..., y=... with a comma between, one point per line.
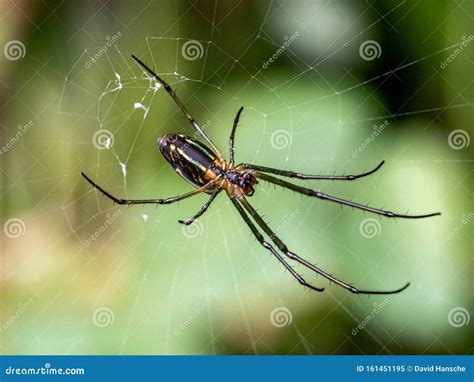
x=201, y=211
x=232, y=135
x=180, y=105
x=143, y=201
x=299, y=175
x=268, y=246
x=323, y=196
x=283, y=248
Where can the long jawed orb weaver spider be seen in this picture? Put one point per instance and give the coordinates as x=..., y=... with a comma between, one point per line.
x=207, y=170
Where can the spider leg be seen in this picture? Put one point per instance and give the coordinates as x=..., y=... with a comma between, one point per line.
x=232, y=135
x=201, y=211
x=180, y=104
x=320, y=195
x=268, y=246
x=283, y=248
x=298, y=175
x=144, y=201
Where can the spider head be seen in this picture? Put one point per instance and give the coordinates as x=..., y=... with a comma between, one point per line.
x=240, y=182
x=246, y=182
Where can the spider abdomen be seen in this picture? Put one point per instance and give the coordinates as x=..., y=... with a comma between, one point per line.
x=192, y=160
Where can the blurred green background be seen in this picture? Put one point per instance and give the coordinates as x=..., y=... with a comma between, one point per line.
x=348, y=85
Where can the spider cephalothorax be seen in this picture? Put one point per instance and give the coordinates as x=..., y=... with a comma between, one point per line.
x=206, y=169
x=239, y=182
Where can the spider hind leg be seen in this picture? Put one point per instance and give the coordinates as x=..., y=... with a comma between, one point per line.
x=283, y=248
x=269, y=247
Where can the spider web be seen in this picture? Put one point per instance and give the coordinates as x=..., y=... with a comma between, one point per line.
x=219, y=284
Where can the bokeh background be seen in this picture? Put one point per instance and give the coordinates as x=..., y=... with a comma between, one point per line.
x=327, y=86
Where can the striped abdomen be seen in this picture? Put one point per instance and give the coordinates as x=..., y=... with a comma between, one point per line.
x=191, y=159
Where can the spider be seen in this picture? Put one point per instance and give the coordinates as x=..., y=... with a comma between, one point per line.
x=207, y=170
